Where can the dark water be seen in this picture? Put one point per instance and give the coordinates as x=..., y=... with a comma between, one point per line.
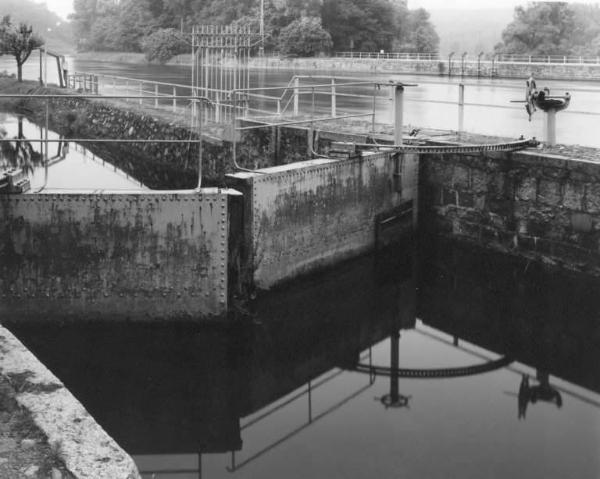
x=71, y=167
x=289, y=393
x=574, y=126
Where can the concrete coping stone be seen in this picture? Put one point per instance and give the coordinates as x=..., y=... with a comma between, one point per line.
x=149, y=193
x=86, y=449
x=283, y=168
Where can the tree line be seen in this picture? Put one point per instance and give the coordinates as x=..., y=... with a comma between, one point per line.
x=296, y=27
x=553, y=28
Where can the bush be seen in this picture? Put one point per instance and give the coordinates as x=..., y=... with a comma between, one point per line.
x=164, y=44
x=304, y=37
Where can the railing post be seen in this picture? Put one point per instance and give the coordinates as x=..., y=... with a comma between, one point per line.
x=127, y=90
x=333, y=99
x=156, y=95
x=141, y=91
x=174, y=99
x=398, y=113
x=296, y=95
x=461, y=107
x=278, y=106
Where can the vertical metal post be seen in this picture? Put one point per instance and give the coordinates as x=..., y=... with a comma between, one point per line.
x=550, y=127
x=333, y=99
x=398, y=113
x=45, y=67
x=127, y=90
x=156, y=95
x=296, y=94
x=141, y=91
x=374, y=107
x=41, y=66
x=461, y=107
x=46, y=144
x=174, y=99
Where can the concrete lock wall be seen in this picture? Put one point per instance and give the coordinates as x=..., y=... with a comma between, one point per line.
x=157, y=255
x=485, y=68
x=544, y=207
x=315, y=213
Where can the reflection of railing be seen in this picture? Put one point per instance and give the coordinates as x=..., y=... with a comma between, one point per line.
x=312, y=418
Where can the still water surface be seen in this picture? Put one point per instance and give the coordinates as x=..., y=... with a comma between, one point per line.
x=71, y=167
x=282, y=397
x=510, y=119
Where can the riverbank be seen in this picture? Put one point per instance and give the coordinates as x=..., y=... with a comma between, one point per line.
x=44, y=431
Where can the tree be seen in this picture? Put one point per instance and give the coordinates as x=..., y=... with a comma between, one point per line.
x=304, y=37
x=164, y=44
x=19, y=42
x=543, y=28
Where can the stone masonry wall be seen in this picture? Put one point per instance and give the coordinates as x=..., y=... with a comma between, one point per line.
x=167, y=165
x=541, y=207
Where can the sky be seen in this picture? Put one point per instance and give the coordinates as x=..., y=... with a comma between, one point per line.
x=64, y=7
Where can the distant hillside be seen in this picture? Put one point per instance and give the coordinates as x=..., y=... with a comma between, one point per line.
x=470, y=31
x=47, y=24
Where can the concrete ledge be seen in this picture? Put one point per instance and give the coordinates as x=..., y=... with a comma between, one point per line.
x=86, y=449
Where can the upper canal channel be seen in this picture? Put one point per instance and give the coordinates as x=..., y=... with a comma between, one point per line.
x=430, y=359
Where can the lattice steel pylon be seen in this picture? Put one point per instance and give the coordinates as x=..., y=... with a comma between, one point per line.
x=220, y=68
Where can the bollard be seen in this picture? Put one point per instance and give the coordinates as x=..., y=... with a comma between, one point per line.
x=461, y=107
x=398, y=113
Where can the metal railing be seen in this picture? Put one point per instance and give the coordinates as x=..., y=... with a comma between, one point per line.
x=390, y=55
x=502, y=58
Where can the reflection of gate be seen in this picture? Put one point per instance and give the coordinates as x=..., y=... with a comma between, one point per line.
x=394, y=225
x=220, y=67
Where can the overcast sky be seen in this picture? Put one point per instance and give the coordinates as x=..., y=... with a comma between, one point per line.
x=64, y=7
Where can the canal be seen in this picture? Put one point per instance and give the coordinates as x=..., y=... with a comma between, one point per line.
x=449, y=362
x=440, y=361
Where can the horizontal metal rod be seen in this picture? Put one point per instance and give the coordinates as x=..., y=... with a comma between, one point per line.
x=298, y=122
x=53, y=96
x=90, y=140
x=304, y=87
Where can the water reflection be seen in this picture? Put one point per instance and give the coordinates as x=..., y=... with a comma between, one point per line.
x=285, y=395
x=69, y=166
x=19, y=155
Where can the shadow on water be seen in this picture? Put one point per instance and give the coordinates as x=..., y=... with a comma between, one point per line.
x=176, y=389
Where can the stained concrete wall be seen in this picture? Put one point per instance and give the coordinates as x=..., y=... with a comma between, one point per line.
x=313, y=214
x=544, y=207
x=157, y=255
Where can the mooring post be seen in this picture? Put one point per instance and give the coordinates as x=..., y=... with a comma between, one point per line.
x=333, y=99
x=461, y=107
x=398, y=113
x=550, y=127
x=296, y=94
